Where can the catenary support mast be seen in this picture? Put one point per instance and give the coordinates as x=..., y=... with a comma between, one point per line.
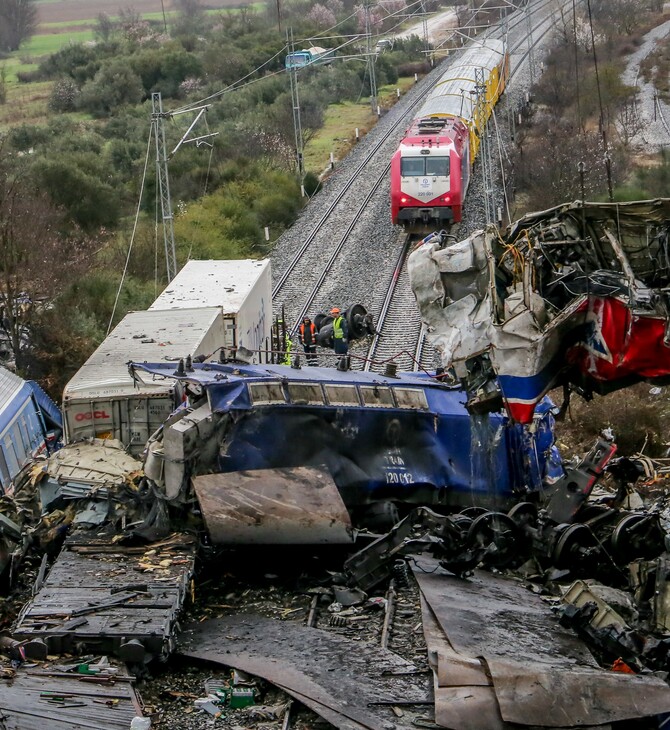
x=157, y=118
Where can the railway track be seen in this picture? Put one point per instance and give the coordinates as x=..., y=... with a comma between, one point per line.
x=304, y=278
x=400, y=310
x=402, y=338
x=344, y=249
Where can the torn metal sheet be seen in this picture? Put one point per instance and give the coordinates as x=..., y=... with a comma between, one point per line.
x=25, y=705
x=343, y=675
x=104, y=597
x=92, y=463
x=575, y=294
x=299, y=505
x=553, y=680
x=464, y=695
x=336, y=719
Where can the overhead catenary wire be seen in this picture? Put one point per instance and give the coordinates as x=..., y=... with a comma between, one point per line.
x=132, y=237
x=236, y=85
x=502, y=168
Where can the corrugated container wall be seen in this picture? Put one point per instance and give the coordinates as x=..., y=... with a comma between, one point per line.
x=243, y=290
x=103, y=401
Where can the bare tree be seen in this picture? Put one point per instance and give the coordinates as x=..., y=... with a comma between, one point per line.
x=190, y=18
x=628, y=122
x=321, y=16
x=104, y=27
x=617, y=17
x=18, y=21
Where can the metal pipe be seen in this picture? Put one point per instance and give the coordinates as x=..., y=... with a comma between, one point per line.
x=388, y=617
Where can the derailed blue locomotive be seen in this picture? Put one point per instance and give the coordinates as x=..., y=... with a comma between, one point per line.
x=402, y=440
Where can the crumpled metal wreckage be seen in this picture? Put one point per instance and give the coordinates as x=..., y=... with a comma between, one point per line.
x=575, y=295
x=405, y=438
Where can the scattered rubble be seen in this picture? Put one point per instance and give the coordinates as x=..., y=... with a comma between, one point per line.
x=315, y=548
x=509, y=621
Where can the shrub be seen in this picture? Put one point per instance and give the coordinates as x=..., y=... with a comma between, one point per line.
x=27, y=136
x=28, y=77
x=164, y=68
x=64, y=95
x=311, y=183
x=114, y=86
x=206, y=230
x=73, y=183
x=78, y=61
x=276, y=209
x=635, y=416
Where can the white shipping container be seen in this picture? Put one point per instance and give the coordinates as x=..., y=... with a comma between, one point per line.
x=243, y=290
x=103, y=401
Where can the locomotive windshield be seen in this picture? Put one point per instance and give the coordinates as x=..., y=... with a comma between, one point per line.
x=420, y=166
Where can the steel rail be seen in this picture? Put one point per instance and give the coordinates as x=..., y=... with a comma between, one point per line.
x=309, y=299
x=334, y=206
x=420, y=351
x=373, y=359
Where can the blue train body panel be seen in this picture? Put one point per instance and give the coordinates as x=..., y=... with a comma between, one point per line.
x=407, y=438
x=23, y=429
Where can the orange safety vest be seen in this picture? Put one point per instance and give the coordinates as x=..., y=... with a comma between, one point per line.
x=312, y=330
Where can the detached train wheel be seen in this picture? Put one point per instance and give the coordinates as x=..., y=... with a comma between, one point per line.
x=496, y=537
x=524, y=513
x=637, y=536
x=473, y=512
x=356, y=321
x=321, y=319
x=576, y=547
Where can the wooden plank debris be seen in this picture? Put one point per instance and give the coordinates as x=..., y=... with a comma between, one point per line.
x=35, y=699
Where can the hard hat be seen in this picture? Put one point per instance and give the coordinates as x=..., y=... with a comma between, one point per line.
x=334, y=310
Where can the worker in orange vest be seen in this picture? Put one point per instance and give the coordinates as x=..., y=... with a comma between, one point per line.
x=307, y=335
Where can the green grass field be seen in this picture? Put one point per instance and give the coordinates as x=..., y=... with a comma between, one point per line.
x=45, y=44
x=39, y=46
x=50, y=40
x=88, y=22
x=338, y=133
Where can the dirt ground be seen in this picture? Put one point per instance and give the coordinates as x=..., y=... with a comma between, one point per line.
x=73, y=10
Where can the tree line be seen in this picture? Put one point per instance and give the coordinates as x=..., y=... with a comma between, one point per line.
x=582, y=112
x=85, y=165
